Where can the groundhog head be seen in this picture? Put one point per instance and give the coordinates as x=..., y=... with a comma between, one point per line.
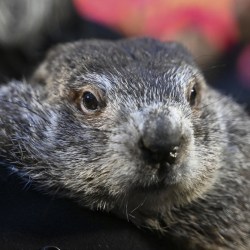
x=131, y=127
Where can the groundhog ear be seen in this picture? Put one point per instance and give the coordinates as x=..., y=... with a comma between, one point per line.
x=40, y=75
x=47, y=68
x=178, y=50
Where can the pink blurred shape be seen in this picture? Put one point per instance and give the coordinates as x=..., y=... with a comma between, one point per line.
x=166, y=19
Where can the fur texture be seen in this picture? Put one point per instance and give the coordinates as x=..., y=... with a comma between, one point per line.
x=201, y=200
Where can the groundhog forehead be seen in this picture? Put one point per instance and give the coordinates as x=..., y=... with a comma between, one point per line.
x=137, y=62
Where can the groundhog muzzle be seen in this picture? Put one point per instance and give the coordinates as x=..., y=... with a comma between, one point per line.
x=131, y=127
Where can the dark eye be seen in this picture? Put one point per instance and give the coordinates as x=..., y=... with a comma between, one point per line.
x=193, y=95
x=89, y=101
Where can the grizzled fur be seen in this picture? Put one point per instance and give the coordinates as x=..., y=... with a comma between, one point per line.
x=201, y=200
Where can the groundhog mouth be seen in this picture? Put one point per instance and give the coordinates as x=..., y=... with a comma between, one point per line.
x=152, y=188
x=164, y=179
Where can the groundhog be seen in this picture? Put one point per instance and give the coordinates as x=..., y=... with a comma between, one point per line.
x=131, y=127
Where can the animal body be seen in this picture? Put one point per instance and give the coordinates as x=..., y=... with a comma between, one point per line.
x=132, y=127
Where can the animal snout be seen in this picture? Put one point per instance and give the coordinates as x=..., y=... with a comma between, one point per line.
x=161, y=140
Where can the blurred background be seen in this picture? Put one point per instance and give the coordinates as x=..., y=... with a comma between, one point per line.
x=217, y=33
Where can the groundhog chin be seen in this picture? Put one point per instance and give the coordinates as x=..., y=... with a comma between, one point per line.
x=157, y=195
x=151, y=207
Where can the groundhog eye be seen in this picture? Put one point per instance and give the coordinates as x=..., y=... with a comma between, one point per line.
x=193, y=95
x=89, y=101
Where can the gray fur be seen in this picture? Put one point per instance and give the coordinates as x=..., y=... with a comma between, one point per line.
x=203, y=201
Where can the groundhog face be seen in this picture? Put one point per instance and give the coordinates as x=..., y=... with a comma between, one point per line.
x=131, y=126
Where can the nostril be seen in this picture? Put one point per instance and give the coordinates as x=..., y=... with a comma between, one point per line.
x=159, y=152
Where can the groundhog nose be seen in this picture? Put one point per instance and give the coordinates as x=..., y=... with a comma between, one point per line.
x=159, y=152
x=161, y=140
